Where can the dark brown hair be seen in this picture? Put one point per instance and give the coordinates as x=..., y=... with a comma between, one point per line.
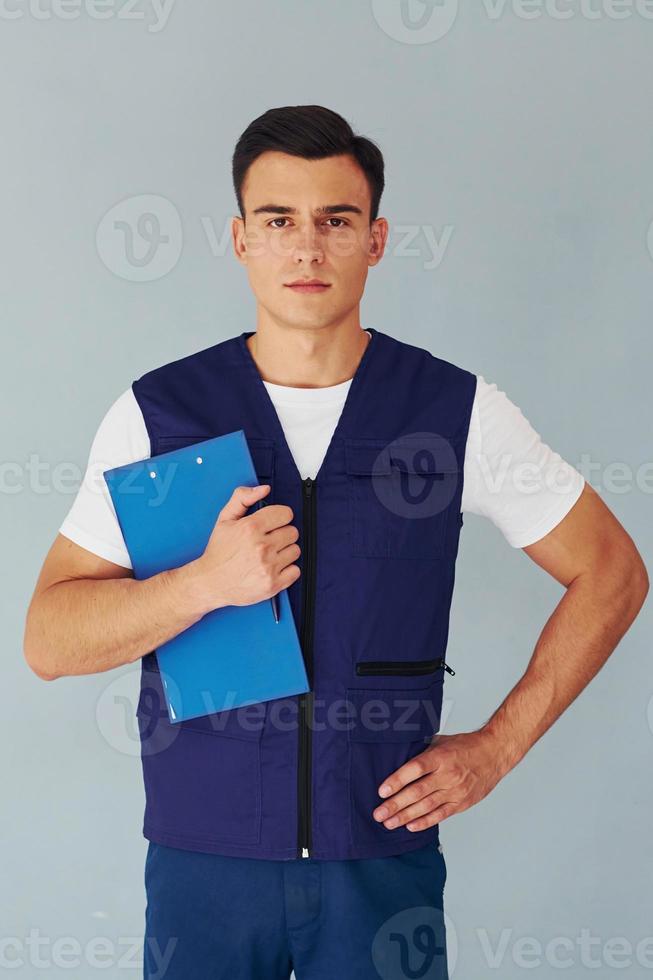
x=312, y=132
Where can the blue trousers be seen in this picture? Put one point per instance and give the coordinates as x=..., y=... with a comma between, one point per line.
x=211, y=917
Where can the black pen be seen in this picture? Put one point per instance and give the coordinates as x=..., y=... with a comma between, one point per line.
x=274, y=600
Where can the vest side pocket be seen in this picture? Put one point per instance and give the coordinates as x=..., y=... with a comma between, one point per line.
x=387, y=728
x=400, y=495
x=202, y=776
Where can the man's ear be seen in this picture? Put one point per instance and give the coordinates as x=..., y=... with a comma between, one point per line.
x=378, y=238
x=238, y=238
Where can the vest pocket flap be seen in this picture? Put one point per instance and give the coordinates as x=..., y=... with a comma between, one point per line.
x=424, y=456
x=165, y=444
x=367, y=457
x=262, y=453
x=246, y=722
x=383, y=715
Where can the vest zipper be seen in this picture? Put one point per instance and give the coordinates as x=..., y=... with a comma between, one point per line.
x=367, y=667
x=306, y=700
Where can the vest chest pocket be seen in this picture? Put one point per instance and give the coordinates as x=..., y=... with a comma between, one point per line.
x=401, y=495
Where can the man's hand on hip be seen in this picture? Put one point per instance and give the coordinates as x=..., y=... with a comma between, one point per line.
x=451, y=775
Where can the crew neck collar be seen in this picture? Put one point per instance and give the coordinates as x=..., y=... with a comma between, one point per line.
x=290, y=395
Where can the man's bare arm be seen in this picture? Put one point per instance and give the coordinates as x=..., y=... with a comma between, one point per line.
x=606, y=581
x=591, y=554
x=88, y=615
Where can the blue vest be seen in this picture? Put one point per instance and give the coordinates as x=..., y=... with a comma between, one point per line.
x=379, y=529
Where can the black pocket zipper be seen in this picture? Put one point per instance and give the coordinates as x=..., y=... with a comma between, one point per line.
x=366, y=667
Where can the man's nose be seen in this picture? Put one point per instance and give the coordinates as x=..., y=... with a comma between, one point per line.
x=308, y=245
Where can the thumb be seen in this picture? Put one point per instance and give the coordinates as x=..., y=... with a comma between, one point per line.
x=241, y=499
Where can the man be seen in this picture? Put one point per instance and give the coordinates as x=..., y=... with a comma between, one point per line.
x=310, y=845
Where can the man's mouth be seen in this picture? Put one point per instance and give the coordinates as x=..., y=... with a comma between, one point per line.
x=308, y=286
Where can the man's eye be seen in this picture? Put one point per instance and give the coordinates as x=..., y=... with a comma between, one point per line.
x=342, y=224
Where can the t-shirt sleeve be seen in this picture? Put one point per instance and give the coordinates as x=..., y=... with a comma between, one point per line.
x=91, y=522
x=511, y=476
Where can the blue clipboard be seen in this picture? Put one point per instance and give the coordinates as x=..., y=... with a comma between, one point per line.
x=167, y=506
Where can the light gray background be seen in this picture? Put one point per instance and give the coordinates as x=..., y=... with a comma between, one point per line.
x=530, y=140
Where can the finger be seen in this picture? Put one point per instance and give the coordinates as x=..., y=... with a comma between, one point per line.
x=272, y=517
x=410, y=813
x=287, y=556
x=437, y=815
x=288, y=575
x=241, y=500
x=281, y=537
x=409, y=795
x=419, y=765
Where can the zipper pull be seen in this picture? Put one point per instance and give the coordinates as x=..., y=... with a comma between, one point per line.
x=308, y=486
x=447, y=667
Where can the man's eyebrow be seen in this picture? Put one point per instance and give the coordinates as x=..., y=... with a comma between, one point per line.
x=325, y=209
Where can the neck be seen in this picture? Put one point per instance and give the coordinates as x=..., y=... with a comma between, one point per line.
x=307, y=358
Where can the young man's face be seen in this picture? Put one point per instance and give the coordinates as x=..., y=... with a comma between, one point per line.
x=285, y=237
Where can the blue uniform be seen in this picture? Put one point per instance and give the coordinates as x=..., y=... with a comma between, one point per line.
x=379, y=530
x=211, y=916
x=333, y=892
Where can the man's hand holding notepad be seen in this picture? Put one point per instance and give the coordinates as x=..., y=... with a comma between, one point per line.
x=247, y=560
x=190, y=505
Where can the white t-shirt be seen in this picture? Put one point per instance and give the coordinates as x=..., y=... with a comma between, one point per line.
x=510, y=475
